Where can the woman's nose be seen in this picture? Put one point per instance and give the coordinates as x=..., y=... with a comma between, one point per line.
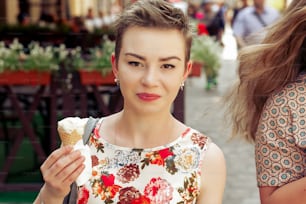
x=150, y=77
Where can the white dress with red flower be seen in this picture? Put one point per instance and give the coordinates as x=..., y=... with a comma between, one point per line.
x=162, y=175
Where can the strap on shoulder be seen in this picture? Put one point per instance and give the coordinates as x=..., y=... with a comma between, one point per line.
x=91, y=123
x=71, y=198
x=259, y=18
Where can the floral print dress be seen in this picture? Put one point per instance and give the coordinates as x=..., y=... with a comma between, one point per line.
x=162, y=175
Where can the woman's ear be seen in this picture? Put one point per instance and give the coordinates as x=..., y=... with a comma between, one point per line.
x=188, y=69
x=114, y=65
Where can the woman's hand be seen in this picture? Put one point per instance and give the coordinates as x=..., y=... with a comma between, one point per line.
x=59, y=171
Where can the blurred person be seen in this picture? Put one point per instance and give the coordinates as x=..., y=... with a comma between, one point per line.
x=116, y=8
x=90, y=14
x=268, y=106
x=98, y=21
x=249, y=25
x=77, y=25
x=89, y=20
x=108, y=18
x=222, y=18
x=192, y=11
x=195, y=16
x=111, y=15
x=241, y=5
x=213, y=19
x=47, y=19
x=23, y=19
x=143, y=154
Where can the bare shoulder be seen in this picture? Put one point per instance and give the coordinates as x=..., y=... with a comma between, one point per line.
x=213, y=177
x=214, y=157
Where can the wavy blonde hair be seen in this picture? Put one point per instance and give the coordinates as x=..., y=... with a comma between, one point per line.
x=267, y=67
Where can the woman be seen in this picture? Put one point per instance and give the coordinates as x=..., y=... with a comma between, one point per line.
x=143, y=154
x=268, y=104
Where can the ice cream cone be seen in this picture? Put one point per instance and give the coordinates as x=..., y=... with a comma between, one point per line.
x=71, y=129
x=69, y=138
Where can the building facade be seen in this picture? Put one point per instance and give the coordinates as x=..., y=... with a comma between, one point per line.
x=9, y=9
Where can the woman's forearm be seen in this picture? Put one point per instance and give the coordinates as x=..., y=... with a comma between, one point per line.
x=46, y=198
x=293, y=193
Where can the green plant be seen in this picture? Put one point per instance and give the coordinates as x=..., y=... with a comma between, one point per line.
x=207, y=51
x=43, y=58
x=99, y=58
x=10, y=56
x=36, y=57
x=76, y=59
x=33, y=57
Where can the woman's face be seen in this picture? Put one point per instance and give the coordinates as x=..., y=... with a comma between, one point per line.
x=151, y=69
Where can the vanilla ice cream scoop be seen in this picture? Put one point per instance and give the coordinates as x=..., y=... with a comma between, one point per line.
x=71, y=129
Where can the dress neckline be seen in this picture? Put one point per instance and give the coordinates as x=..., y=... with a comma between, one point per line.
x=186, y=132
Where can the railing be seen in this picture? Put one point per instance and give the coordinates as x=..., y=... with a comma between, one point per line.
x=64, y=95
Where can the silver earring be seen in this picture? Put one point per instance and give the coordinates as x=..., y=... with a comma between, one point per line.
x=182, y=86
x=117, y=81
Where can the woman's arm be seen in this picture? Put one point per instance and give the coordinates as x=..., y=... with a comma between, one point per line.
x=59, y=171
x=293, y=193
x=279, y=152
x=213, y=176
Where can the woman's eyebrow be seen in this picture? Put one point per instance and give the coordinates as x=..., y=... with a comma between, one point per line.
x=170, y=58
x=135, y=55
x=161, y=59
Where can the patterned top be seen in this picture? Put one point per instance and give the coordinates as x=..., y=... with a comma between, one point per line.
x=281, y=136
x=167, y=174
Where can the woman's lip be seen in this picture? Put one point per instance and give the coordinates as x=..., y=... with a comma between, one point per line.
x=148, y=96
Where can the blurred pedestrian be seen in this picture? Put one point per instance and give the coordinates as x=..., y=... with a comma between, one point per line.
x=268, y=107
x=250, y=23
x=214, y=19
x=241, y=5
x=90, y=14
x=89, y=20
x=192, y=11
x=23, y=19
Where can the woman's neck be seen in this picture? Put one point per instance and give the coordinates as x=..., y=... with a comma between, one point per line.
x=144, y=132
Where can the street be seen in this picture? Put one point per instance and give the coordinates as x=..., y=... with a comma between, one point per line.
x=204, y=113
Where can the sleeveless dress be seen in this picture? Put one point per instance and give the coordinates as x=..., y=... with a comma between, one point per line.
x=161, y=175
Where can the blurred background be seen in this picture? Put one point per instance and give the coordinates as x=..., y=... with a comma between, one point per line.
x=54, y=60
x=57, y=10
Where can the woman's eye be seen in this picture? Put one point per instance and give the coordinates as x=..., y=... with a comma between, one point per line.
x=168, y=66
x=134, y=64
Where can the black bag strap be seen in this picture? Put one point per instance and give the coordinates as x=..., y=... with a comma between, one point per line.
x=71, y=198
x=263, y=23
x=91, y=123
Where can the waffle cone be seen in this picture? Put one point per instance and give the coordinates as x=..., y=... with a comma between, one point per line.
x=69, y=138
